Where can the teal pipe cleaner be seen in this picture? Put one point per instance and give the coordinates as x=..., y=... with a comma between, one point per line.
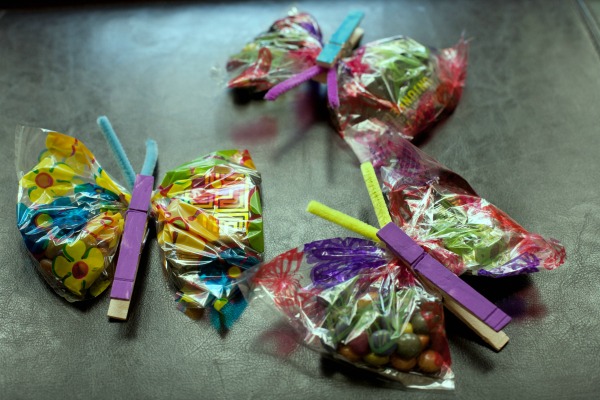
x=113, y=141
x=151, y=157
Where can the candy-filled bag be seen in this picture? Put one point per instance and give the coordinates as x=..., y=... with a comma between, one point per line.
x=350, y=299
x=392, y=84
x=463, y=231
x=291, y=45
x=70, y=212
x=209, y=226
x=397, y=84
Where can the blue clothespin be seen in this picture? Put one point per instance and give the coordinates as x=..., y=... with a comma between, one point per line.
x=334, y=49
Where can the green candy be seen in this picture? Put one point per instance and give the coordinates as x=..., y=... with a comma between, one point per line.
x=409, y=346
x=419, y=324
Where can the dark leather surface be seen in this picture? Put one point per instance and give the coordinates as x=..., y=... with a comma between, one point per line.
x=525, y=135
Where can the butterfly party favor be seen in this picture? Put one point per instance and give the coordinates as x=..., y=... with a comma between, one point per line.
x=376, y=302
x=442, y=212
x=393, y=84
x=352, y=300
x=76, y=220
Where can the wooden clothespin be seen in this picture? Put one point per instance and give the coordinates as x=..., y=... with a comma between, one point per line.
x=482, y=316
x=344, y=39
x=131, y=247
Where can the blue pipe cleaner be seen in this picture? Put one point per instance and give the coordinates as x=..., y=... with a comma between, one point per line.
x=151, y=157
x=113, y=141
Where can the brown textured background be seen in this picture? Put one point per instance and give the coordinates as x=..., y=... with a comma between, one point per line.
x=525, y=135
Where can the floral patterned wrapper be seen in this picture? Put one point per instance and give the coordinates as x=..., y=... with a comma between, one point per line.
x=209, y=225
x=290, y=46
x=350, y=299
x=397, y=86
x=70, y=212
x=440, y=210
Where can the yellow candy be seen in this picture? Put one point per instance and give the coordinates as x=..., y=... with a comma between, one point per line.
x=376, y=360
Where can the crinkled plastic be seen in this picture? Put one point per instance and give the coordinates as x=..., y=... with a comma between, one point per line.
x=70, y=212
x=393, y=84
x=291, y=45
x=440, y=210
x=71, y=216
x=348, y=298
x=398, y=85
x=209, y=225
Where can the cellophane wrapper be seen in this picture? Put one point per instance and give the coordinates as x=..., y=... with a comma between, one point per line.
x=70, y=212
x=290, y=46
x=440, y=210
x=348, y=298
x=398, y=85
x=209, y=226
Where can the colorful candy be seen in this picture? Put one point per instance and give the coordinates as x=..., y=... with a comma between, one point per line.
x=397, y=86
x=440, y=210
x=209, y=225
x=291, y=45
x=70, y=213
x=349, y=298
x=71, y=216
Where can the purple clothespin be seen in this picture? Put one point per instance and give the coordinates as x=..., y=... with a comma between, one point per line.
x=405, y=248
x=131, y=247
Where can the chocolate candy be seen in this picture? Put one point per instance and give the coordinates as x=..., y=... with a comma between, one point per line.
x=401, y=364
x=376, y=360
x=409, y=346
x=360, y=345
x=381, y=342
x=430, y=362
x=347, y=353
x=419, y=324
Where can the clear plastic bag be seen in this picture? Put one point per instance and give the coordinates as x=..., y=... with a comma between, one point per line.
x=440, y=210
x=70, y=212
x=398, y=85
x=349, y=299
x=291, y=45
x=209, y=225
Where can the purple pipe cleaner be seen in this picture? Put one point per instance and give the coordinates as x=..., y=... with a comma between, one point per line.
x=292, y=82
x=332, y=87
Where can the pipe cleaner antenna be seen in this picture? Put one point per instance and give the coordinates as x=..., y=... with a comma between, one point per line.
x=370, y=178
x=115, y=145
x=151, y=157
x=344, y=220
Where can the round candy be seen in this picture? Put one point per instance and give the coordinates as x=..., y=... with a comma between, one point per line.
x=46, y=265
x=376, y=360
x=52, y=250
x=342, y=328
x=347, y=353
x=401, y=364
x=408, y=328
x=409, y=346
x=419, y=324
x=430, y=361
x=381, y=342
x=360, y=344
x=424, y=341
x=90, y=241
